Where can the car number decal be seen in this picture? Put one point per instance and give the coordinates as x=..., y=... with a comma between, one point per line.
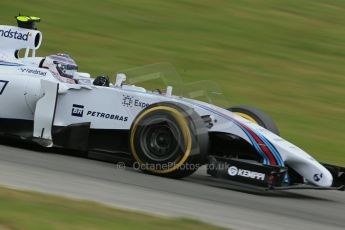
x=3, y=85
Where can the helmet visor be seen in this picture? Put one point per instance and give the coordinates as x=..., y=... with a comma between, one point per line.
x=66, y=70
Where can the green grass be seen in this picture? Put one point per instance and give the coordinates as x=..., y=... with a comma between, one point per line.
x=35, y=211
x=285, y=57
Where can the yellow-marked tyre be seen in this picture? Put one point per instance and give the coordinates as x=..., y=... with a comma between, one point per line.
x=257, y=116
x=169, y=139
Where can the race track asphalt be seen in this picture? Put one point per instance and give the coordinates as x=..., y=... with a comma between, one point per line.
x=199, y=196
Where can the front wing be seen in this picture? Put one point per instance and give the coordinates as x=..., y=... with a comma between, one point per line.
x=266, y=176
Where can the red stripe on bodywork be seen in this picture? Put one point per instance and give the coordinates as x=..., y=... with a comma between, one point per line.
x=262, y=146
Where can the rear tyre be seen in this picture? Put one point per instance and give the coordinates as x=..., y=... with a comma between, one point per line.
x=257, y=116
x=169, y=139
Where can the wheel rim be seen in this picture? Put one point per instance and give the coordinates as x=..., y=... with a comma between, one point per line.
x=161, y=140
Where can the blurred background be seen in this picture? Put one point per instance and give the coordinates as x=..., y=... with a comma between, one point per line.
x=284, y=57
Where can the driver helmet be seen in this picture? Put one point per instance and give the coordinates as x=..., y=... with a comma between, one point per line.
x=62, y=66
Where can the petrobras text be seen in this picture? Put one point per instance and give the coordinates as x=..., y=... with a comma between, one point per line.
x=107, y=116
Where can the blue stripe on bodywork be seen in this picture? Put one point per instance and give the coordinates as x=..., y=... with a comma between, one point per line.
x=9, y=63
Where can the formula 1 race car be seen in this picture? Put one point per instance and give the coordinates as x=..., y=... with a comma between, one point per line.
x=164, y=134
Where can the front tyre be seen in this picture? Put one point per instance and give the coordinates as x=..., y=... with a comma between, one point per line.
x=169, y=139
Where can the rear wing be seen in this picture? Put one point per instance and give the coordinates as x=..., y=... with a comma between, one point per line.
x=25, y=36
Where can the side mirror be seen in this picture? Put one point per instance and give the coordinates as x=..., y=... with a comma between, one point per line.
x=169, y=91
x=120, y=79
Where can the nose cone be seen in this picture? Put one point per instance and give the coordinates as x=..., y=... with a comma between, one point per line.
x=322, y=178
x=313, y=172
